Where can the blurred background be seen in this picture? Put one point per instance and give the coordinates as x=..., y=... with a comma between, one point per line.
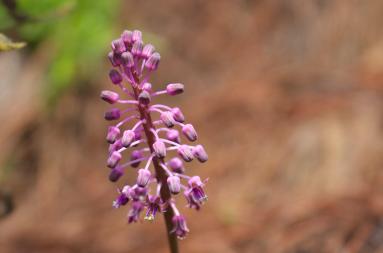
x=286, y=96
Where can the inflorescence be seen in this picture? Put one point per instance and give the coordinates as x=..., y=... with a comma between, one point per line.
x=152, y=137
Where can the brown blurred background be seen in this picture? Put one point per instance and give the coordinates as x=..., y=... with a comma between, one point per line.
x=286, y=97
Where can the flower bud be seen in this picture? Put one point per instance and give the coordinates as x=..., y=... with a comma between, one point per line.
x=167, y=119
x=127, y=59
x=159, y=149
x=112, y=59
x=143, y=177
x=178, y=115
x=176, y=165
x=173, y=135
x=135, y=155
x=115, y=76
x=112, y=135
x=200, y=153
x=147, y=87
x=185, y=153
x=174, y=184
x=153, y=61
x=137, y=48
x=174, y=88
x=189, y=132
x=118, y=46
x=109, y=96
x=112, y=114
x=136, y=36
x=115, y=174
x=144, y=98
x=127, y=138
x=114, y=159
x=147, y=51
x=115, y=146
x=127, y=37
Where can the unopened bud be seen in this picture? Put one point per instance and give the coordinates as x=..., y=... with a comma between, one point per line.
x=189, y=131
x=112, y=114
x=200, y=153
x=127, y=138
x=174, y=184
x=153, y=61
x=174, y=88
x=159, y=149
x=144, y=97
x=114, y=159
x=143, y=177
x=178, y=115
x=185, y=153
x=112, y=135
x=167, y=119
x=109, y=96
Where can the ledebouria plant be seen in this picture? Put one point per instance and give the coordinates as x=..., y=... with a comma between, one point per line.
x=153, y=139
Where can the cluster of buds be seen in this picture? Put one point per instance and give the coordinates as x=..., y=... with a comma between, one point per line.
x=152, y=133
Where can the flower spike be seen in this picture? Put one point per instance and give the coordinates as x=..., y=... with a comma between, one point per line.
x=149, y=134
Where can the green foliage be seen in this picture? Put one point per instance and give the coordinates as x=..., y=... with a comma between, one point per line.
x=5, y=20
x=78, y=32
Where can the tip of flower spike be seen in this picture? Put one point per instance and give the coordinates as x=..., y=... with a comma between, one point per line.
x=147, y=51
x=127, y=37
x=137, y=48
x=115, y=76
x=153, y=61
x=118, y=46
x=174, y=88
x=127, y=59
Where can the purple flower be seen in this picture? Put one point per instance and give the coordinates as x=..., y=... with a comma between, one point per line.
x=148, y=134
x=123, y=197
x=195, y=190
x=179, y=226
x=153, y=206
x=134, y=213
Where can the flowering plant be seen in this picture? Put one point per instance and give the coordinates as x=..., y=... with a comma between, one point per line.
x=152, y=138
